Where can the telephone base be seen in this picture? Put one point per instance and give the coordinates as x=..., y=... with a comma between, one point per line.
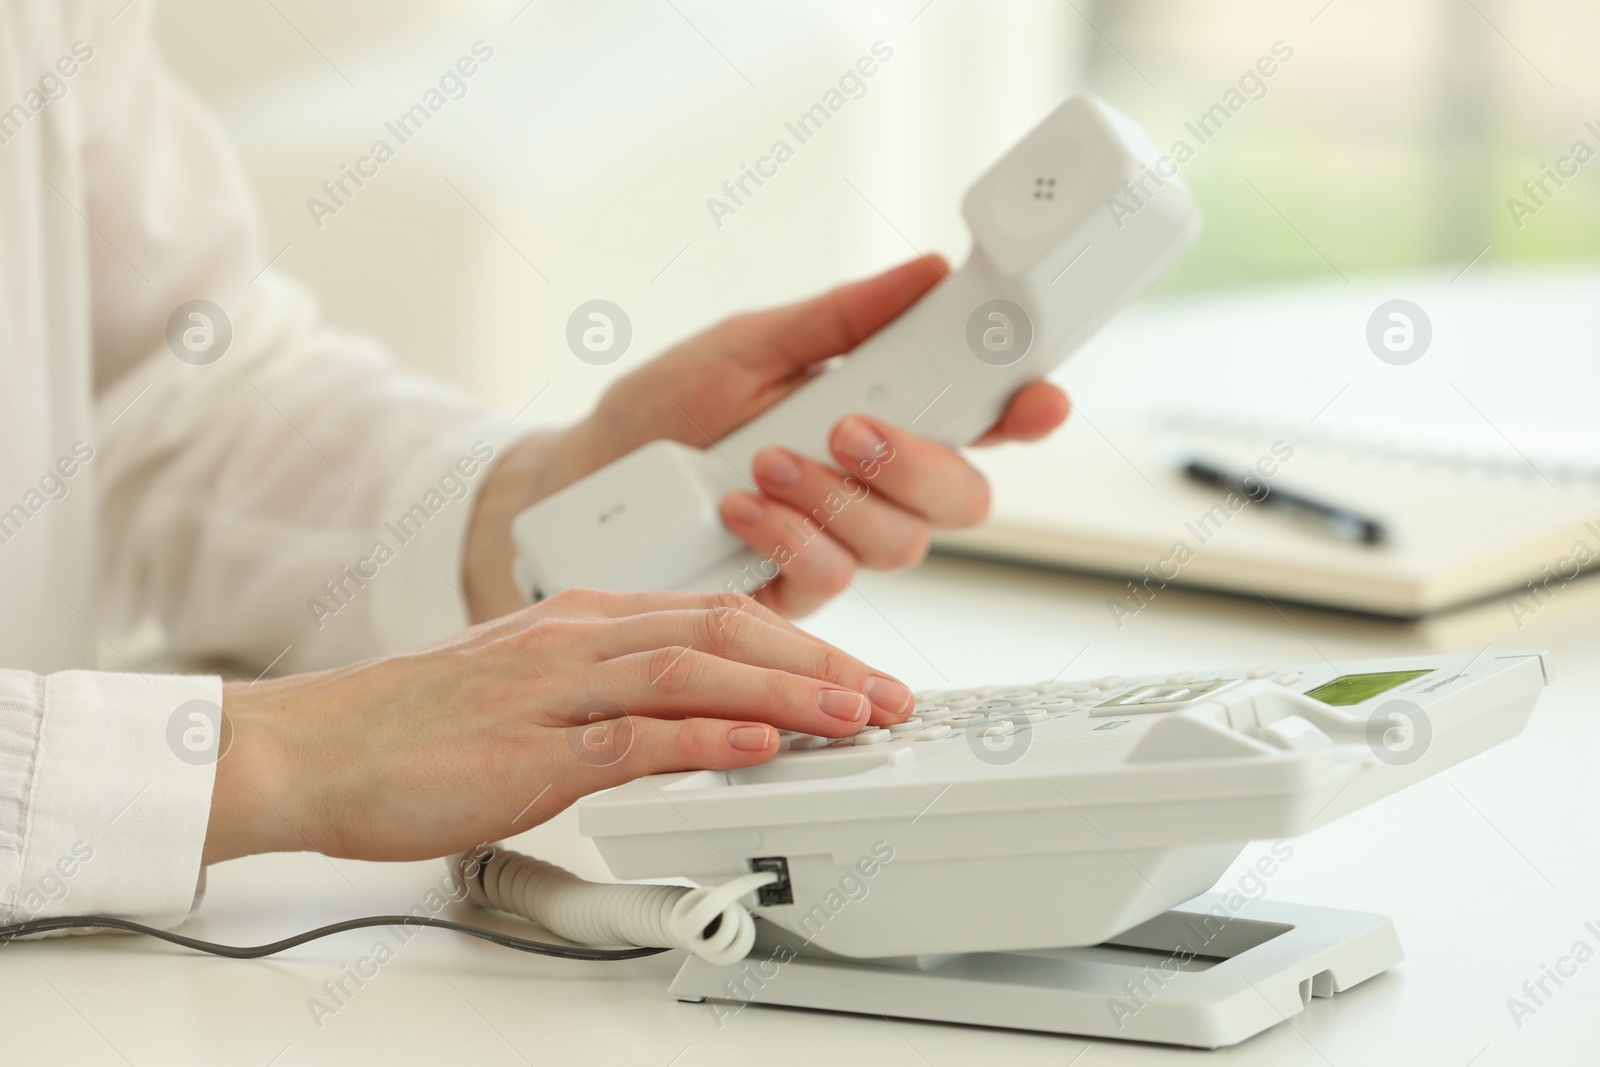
x=1201, y=975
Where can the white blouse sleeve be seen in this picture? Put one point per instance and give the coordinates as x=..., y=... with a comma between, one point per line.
x=268, y=489
x=295, y=494
x=98, y=813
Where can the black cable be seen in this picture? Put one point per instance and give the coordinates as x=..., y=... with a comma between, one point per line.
x=240, y=952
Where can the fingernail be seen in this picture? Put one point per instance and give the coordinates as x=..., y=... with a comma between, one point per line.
x=888, y=694
x=776, y=467
x=743, y=508
x=859, y=441
x=750, y=738
x=843, y=704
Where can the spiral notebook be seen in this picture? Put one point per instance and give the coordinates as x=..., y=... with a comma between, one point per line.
x=1469, y=515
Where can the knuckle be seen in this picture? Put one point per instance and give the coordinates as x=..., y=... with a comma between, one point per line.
x=521, y=619
x=836, y=665
x=735, y=631
x=978, y=506
x=712, y=632
x=738, y=603
x=602, y=599
x=780, y=689
x=671, y=669
x=690, y=741
x=570, y=599
x=835, y=578
x=544, y=632
x=727, y=619
x=602, y=736
x=911, y=549
x=739, y=329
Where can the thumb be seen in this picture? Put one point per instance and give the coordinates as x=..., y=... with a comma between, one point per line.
x=791, y=338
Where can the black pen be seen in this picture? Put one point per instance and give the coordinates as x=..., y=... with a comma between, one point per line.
x=1340, y=521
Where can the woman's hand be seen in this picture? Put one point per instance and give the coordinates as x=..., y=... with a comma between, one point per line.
x=500, y=727
x=719, y=380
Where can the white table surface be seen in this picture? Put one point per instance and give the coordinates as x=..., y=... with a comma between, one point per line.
x=1490, y=872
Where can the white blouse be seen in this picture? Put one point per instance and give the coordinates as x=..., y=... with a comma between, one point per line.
x=268, y=489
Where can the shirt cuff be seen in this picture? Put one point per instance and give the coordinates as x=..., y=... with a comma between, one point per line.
x=429, y=512
x=119, y=796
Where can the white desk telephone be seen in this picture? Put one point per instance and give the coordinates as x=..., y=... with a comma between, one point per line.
x=1034, y=856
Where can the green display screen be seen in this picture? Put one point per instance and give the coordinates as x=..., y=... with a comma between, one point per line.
x=1354, y=688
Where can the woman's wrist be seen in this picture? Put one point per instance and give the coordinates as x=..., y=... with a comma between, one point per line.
x=255, y=803
x=527, y=472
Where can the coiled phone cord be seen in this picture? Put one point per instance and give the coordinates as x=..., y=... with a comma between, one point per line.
x=708, y=921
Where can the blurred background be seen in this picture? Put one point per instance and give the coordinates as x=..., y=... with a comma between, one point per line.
x=1386, y=144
